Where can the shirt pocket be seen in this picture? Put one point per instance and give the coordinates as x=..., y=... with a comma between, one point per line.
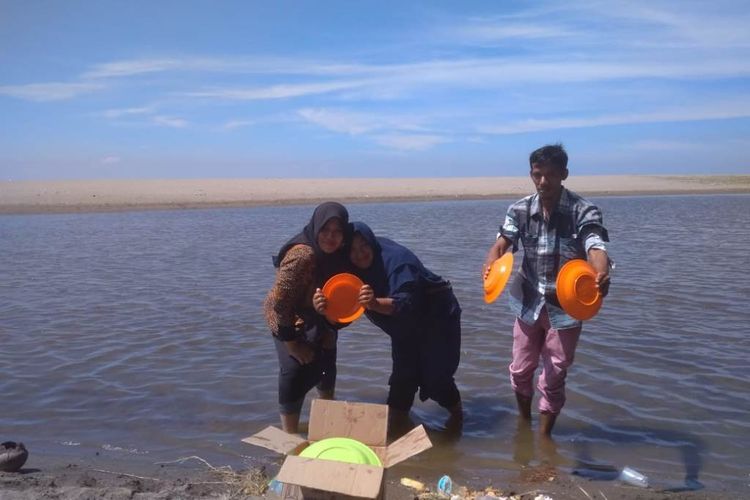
x=530, y=243
x=571, y=248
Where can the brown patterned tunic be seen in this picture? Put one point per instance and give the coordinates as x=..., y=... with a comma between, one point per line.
x=290, y=298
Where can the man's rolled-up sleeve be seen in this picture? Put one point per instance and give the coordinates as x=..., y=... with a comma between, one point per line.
x=591, y=229
x=510, y=230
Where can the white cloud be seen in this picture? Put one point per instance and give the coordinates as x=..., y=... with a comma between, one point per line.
x=657, y=145
x=499, y=30
x=405, y=142
x=55, y=91
x=120, y=112
x=386, y=130
x=233, y=124
x=403, y=80
x=697, y=25
x=717, y=111
x=111, y=160
x=282, y=91
x=357, y=123
x=612, y=53
x=614, y=26
x=339, y=121
x=168, y=121
x=479, y=73
x=236, y=65
x=130, y=68
x=489, y=73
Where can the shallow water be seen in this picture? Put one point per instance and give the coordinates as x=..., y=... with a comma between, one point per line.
x=140, y=334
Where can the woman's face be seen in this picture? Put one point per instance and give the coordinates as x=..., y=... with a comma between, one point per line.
x=361, y=253
x=331, y=236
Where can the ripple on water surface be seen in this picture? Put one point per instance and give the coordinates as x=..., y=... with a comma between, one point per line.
x=142, y=334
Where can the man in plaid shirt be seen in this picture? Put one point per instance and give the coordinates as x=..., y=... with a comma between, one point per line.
x=554, y=225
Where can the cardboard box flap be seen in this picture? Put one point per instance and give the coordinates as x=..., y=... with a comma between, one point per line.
x=415, y=441
x=277, y=440
x=365, y=422
x=327, y=475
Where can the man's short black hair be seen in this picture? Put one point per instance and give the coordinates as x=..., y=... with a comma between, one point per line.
x=554, y=154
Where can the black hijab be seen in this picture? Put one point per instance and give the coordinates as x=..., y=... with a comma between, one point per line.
x=326, y=265
x=393, y=266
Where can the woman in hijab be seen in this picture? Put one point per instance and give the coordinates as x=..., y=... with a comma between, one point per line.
x=418, y=310
x=305, y=341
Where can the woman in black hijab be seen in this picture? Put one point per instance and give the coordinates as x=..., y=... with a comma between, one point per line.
x=305, y=341
x=420, y=313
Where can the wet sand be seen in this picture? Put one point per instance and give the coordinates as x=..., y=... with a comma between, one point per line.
x=114, y=195
x=109, y=480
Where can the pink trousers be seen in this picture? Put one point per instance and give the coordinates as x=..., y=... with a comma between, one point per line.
x=555, y=347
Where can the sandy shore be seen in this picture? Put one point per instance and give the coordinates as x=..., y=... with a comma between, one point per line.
x=108, y=195
x=95, y=478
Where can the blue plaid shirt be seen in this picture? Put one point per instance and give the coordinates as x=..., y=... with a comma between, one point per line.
x=572, y=230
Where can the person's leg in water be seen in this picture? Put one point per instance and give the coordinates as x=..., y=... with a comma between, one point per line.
x=440, y=353
x=453, y=357
x=445, y=392
x=290, y=421
x=558, y=353
x=328, y=340
x=523, y=443
x=547, y=422
x=403, y=383
x=527, y=346
x=327, y=386
x=524, y=408
x=295, y=381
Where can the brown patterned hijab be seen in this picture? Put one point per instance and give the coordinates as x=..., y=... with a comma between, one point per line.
x=326, y=265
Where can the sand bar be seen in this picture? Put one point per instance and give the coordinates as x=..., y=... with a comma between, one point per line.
x=18, y=197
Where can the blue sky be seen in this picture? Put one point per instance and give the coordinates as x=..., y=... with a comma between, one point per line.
x=170, y=89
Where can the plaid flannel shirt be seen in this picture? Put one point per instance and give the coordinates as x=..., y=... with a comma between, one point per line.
x=572, y=230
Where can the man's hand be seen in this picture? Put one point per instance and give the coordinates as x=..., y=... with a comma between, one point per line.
x=320, y=302
x=497, y=251
x=599, y=260
x=602, y=282
x=486, y=268
x=301, y=351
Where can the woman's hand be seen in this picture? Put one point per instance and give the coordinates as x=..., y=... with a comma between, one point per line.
x=320, y=302
x=366, y=296
x=367, y=299
x=301, y=351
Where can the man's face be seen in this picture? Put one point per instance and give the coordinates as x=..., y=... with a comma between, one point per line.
x=547, y=180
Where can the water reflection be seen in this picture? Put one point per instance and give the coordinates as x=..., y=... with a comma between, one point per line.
x=690, y=448
x=154, y=321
